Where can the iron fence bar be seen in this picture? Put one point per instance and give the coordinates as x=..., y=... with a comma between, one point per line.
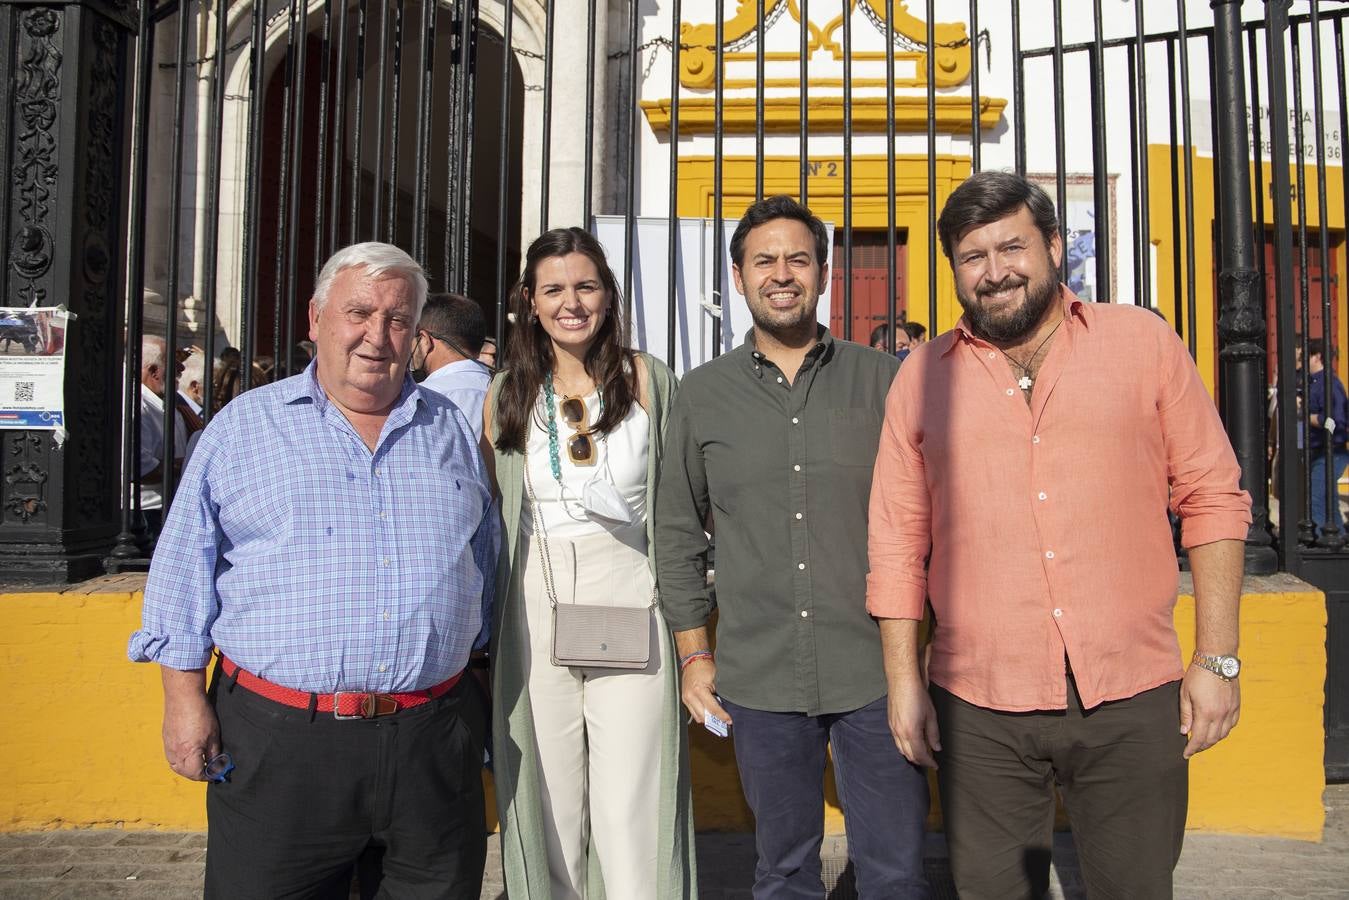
x=466, y=159
x=931, y=170
x=321, y=184
x=1307, y=530
x=1187, y=130
x=454, y=116
x=395, y=131
x=1292, y=505
x=1258, y=161
x=1240, y=293
x=1060, y=141
x=1177, y=288
x=1142, y=220
x=1218, y=224
x=426, y=66
x=758, y=100
x=1018, y=89
x=847, y=172
x=339, y=137
x=297, y=166
x=1136, y=198
x=672, y=251
x=382, y=63
x=630, y=207
x=171, y=302
x=1330, y=537
x=718, y=162
x=976, y=126
x=125, y=549
x=253, y=199
x=212, y=237
x=358, y=120
x=1100, y=161
x=503, y=174
x=803, y=115
x=280, y=282
x=550, y=13
x=588, y=178
x=890, y=274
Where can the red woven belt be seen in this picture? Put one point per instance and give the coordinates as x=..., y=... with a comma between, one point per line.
x=343, y=704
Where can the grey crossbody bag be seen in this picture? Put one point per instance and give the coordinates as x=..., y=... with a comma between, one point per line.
x=589, y=635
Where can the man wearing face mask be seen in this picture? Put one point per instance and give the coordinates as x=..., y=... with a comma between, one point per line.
x=450, y=336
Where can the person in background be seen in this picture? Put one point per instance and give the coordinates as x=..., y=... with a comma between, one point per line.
x=917, y=334
x=591, y=763
x=488, y=355
x=1328, y=420
x=449, y=338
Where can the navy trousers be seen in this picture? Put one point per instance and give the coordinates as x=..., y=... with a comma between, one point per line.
x=781, y=757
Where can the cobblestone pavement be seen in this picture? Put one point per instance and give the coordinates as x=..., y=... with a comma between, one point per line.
x=141, y=864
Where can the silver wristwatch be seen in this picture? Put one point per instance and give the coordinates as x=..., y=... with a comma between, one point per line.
x=1225, y=667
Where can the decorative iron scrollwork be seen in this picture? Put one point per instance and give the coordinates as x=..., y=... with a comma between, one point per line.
x=26, y=483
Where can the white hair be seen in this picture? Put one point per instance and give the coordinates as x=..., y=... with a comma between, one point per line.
x=379, y=260
x=194, y=369
x=152, y=352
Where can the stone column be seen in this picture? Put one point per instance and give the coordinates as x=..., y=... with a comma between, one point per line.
x=63, y=98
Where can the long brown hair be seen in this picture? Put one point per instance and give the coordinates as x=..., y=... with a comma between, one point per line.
x=529, y=350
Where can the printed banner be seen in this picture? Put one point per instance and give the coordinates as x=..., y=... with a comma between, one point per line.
x=32, y=367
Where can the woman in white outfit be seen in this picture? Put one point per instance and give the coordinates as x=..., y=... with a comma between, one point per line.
x=590, y=753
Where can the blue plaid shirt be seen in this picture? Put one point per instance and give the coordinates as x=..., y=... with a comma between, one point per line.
x=317, y=564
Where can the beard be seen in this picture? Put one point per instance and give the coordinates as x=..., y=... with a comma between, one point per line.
x=782, y=323
x=1010, y=326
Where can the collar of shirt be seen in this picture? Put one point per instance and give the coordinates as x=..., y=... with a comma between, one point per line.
x=823, y=351
x=191, y=404
x=461, y=370
x=307, y=389
x=151, y=399
x=1074, y=310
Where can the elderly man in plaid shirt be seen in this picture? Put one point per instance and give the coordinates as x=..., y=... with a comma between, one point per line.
x=333, y=542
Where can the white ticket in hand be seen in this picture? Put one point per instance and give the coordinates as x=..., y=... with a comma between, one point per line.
x=715, y=725
x=1330, y=424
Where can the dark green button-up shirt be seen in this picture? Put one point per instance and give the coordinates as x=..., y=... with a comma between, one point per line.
x=784, y=469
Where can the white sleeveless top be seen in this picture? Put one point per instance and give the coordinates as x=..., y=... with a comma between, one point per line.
x=621, y=459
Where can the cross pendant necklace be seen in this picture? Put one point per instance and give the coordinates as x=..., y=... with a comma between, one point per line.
x=1027, y=380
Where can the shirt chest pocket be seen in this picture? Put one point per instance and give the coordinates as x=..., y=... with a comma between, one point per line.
x=854, y=433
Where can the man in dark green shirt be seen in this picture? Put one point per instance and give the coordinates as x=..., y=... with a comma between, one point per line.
x=771, y=448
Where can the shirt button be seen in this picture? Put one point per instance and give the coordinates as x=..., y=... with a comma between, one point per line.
x=805, y=613
x=1035, y=440
x=384, y=668
x=1010, y=392
x=779, y=379
x=386, y=560
x=376, y=471
x=383, y=514
x=1044, y=496
x=1058, y=613
x=795, y=420
x=798, y=515
x=796, y=468
x=386, y=615
x=1049, y=554
x=800, y=565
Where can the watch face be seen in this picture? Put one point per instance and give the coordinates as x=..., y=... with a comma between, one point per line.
x=1230, y=667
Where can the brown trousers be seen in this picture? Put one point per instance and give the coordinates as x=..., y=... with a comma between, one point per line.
x=1118, y=768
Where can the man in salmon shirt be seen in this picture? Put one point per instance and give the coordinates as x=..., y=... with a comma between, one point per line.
x=1022, y=482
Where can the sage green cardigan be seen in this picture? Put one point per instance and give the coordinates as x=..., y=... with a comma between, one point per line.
x=524, y=850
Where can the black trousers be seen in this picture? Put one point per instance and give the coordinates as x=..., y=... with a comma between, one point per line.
x=1118, y=768
x=311, y=795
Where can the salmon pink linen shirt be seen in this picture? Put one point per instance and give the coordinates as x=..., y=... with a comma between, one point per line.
x=1046, y=524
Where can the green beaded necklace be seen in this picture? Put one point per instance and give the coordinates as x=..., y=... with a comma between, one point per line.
x=554, y=455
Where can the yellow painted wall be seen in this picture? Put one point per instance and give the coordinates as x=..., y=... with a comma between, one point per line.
x=1167, y=239
x=80, y=742
x=697, y=198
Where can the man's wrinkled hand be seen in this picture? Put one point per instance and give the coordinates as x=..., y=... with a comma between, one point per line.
x=913, y=723
x=191, y=736
x=1209, y=709
x=698, y=689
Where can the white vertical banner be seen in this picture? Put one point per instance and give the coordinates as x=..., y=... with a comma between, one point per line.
x=695, y=322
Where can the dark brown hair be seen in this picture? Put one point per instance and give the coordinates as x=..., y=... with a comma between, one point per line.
x=529, y=350
x=986, y=197
x=778, y=207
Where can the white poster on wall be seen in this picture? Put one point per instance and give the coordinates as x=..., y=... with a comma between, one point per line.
x=32, y=367
x=694, y=298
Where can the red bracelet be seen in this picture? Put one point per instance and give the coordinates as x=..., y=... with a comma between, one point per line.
x=693, y=657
